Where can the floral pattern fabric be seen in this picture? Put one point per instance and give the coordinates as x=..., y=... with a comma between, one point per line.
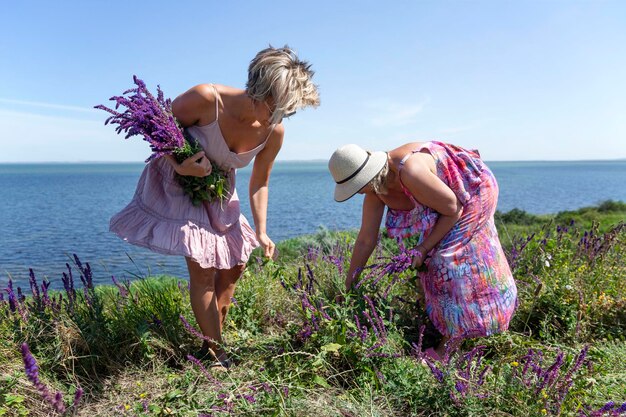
x=468, y=286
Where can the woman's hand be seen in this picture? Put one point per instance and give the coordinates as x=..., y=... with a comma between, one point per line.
x=269, y=248
x=418, y=259
x=197, y=165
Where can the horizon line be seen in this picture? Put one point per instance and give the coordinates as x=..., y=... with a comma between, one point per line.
x=302, y=160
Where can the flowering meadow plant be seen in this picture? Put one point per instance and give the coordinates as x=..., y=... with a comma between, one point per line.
x=152, y=118
x=298, y=350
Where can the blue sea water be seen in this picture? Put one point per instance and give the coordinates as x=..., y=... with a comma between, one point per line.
x=50, y=211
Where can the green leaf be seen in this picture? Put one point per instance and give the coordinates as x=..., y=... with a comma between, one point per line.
x=13, y=399
x=321, y=381
x=173, y=394
x=331, y=347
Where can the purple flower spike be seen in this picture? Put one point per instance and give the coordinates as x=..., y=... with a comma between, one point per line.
x=32, y=373
x=193, y=331
x=204, y=371
x=146, y=116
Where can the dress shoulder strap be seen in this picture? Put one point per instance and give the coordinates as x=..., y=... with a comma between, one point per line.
x=400, y=166
x=402, y=162
x=268, y=135
x=217, y=102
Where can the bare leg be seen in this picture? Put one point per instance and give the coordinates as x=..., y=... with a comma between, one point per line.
x=441, y=348
x=204, y=303
x=225, y=288
x=448, y=343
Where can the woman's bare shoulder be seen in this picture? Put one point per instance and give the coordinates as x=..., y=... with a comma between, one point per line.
x=194, y=105
x=419, y=157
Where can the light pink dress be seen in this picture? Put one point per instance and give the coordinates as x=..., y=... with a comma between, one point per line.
x=160, y=216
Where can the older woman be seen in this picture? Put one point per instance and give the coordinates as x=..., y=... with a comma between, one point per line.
x=447, y=196
x=233, y=126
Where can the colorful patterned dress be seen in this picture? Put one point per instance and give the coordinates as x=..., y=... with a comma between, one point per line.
x=468, y=286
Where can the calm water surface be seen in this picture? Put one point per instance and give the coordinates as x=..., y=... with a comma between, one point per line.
x=50, y=211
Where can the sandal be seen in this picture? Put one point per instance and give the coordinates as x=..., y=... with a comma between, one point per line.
x=220, y=364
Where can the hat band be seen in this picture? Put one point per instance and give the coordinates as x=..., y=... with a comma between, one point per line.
x=355, y=172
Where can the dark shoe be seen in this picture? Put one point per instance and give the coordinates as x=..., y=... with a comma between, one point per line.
x=220, y=365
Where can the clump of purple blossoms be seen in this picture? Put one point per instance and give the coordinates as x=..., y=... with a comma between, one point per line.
x=148, y=116
x=152, y=118
x=313, y=307
x=392, y=266
x=610, y=409
x=379, y=331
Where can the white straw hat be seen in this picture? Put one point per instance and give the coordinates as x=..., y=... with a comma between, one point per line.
x=352, y=168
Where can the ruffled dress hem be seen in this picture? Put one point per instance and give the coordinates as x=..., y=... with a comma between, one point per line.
x=210, y=249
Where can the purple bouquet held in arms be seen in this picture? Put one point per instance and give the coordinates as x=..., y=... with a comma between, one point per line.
x=153, y=119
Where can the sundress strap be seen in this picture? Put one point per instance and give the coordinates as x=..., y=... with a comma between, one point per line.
x=217, y=102
x=404, y=189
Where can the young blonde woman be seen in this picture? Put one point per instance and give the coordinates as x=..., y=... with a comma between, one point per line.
x=234, y=126
x=447, y=196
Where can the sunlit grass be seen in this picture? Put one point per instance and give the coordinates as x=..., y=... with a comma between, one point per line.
x=297, y=351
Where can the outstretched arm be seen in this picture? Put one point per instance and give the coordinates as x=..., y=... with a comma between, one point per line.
x=430, y=190
x=259, y=182
x=373, y=210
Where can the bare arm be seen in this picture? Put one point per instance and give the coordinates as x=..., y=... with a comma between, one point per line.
x=195, y=106
x=259, y=182
x=373, y=210
x=430, y=190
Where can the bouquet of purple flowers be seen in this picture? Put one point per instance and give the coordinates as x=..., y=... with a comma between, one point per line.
x=152, y=118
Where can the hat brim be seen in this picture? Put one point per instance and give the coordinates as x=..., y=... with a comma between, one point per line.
x=349, y=188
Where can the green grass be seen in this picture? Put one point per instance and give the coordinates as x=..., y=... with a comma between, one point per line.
x=129, y=352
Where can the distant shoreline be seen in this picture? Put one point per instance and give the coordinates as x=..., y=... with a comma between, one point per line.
x=289, y=161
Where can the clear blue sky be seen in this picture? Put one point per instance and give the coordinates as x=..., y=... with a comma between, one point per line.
x=519, y=80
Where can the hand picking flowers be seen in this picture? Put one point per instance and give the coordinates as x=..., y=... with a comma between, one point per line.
x=152, y=118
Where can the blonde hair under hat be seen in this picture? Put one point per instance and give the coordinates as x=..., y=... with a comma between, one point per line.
x=352, y=168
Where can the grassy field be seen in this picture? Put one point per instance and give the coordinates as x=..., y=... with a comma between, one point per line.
x=126, y=349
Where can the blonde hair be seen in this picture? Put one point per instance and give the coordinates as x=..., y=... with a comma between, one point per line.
x=379, y=182
x=278, y=73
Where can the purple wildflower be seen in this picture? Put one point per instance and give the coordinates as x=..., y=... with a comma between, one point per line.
x=15, y=300
x=147, y=116
x=123, y=289
x=306, y=332
x=437, y=373
x=68, y=284
x=34, y=289
x=32, y=373
x=86, y=275
x=193, y=331
x=481, y=376
x=78, y=395
x=461, y=387
x=204, y=371
x=548, y=378
x=11, y=296
x=249, y=397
